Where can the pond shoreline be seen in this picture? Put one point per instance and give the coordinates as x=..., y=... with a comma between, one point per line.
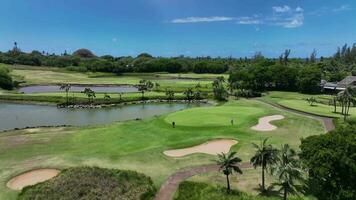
x=76, y=84
x=84, y=106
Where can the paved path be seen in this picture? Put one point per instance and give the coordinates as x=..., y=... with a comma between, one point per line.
x=327, y=121
x=168, y=189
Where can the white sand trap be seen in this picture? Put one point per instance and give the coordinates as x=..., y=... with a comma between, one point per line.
x=213, y=147
x=264, y=123
x=31, y=178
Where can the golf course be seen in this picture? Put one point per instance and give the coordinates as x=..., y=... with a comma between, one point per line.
x=139, y=145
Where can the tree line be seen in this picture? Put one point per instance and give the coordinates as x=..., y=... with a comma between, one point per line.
x=257, y=73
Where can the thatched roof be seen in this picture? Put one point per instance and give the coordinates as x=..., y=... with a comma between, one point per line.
x=348, y=81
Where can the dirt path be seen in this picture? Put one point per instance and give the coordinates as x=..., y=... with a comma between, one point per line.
x=327, y=121
x=168, y=189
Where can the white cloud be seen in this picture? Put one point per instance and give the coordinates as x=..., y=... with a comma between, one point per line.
x=299, y=9
x=283, y=16
x=294, y=22
x=281, y=9
x=342, y=8
x=201, y=19
x=248, y=20
x=287, y=17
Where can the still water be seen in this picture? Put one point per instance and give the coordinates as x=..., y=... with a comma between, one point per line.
x=21, y=116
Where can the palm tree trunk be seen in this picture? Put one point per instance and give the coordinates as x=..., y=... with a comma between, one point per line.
x=285, y=194
x=228, y=183
x=263, y=178
x=67, y=97
x=342, y=107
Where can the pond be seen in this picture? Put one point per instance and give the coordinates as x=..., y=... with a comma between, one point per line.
x=21, y=115
x=56, y=88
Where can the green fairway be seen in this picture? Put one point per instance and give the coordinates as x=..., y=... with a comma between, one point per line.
x=216, y=116
x=298, y=101
x=139, y=145
x=44, y=76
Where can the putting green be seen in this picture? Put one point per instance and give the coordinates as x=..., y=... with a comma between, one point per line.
x=215, y=116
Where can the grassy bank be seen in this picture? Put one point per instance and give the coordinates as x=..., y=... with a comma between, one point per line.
x=298, y=101
x=81, y=98
x=139, y=145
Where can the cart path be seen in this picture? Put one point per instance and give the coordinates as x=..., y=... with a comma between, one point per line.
x=168, y=189
x=327, y=121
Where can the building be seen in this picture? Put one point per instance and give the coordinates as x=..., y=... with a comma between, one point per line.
x=331, y=87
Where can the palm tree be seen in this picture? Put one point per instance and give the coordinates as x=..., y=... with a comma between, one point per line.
x=107, y=97
x=346, y=97
x=265, y=156
x=228, y=165
x=288, y=171
x=144, y=86
x=90, y=94
x=169, y=94
x=66, y=87
x=189, y=94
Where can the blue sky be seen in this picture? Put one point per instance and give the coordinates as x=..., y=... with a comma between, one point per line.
x=176, y=27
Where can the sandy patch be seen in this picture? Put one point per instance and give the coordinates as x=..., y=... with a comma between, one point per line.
x=212, y=147
x=264, y=123
x=31, y=178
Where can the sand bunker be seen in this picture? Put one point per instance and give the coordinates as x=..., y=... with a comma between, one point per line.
x=213, y=147
x=31, y=178
x=264, y=123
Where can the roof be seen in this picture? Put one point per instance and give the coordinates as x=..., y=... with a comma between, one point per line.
x=349, y=80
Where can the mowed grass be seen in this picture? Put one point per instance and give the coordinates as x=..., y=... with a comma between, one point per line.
x=298, y=101
x=47, y=76
x=139, y=145
x=215, y=116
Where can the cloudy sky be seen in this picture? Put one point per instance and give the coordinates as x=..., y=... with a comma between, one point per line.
x=179, y=27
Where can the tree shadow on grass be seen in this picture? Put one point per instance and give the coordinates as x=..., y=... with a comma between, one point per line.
x=269, y=192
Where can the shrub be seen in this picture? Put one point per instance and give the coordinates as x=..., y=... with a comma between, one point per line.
x=5, y=78
x=92, y=183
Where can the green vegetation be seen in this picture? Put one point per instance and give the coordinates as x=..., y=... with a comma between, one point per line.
x=331, y=163
x=228, y=164
x=138, y=145
x=92, y=183
x=81, y=98
x=207, y=117
x=265, y=156
x=5, y=78
x=288, y=171
x=297, y=101
x=201, y=191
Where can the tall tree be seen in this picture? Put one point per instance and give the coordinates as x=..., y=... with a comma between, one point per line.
x=331, y=163
x=90, y=94
x=66, y=87
x=265, y=156
x=144, y=86
x=219, y=90
x=189, y=94
x=287, y=171
x=228, y=164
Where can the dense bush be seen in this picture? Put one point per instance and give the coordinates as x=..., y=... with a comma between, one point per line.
x=92, y=183
x=5, y=79
x=331, y=162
